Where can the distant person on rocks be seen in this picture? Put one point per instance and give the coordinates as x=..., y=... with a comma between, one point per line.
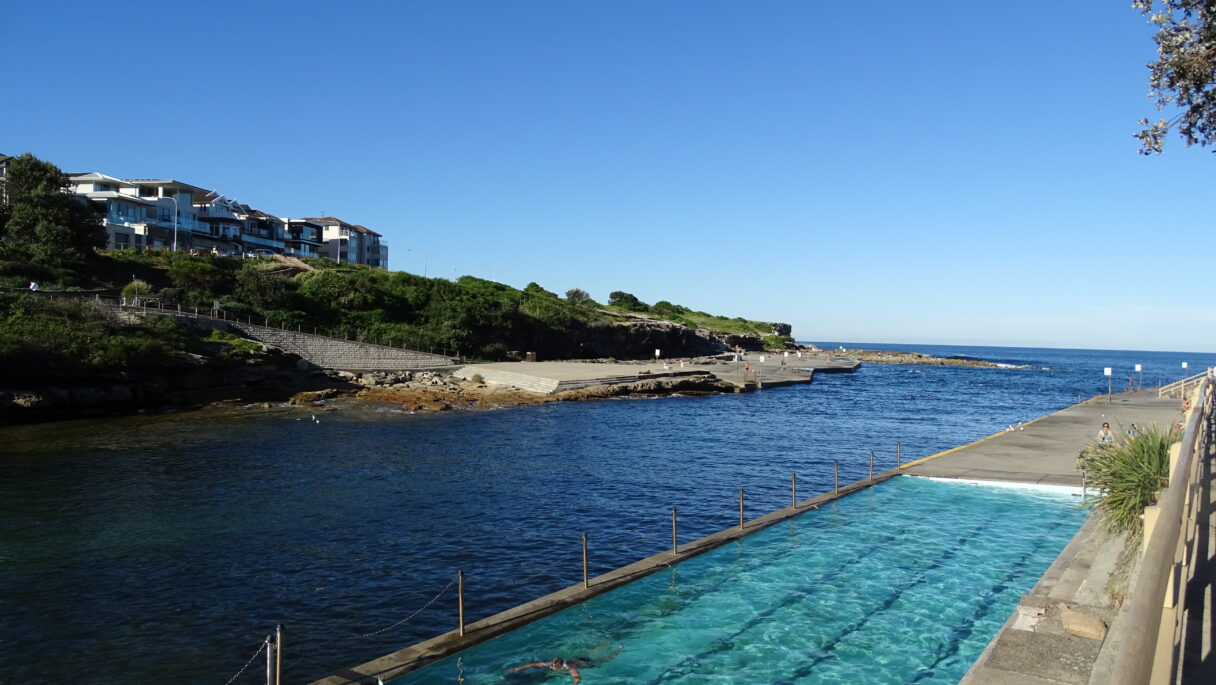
x=1105, y=437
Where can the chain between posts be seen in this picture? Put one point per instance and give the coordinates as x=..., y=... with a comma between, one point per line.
x=265, y=644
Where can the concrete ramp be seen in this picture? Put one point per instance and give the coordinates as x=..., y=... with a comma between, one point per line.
x=552, y=377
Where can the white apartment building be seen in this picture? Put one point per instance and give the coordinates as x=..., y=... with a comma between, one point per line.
x=351, y=243
x=143, y=213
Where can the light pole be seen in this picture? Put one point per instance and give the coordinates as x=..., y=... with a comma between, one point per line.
x=410, y=249
x=175, y=210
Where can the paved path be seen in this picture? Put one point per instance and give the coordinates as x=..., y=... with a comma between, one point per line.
x=775, y=370
x=1045, y=450
x=1032, y=648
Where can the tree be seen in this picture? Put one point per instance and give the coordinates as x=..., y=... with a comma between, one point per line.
x=40, y=221
x=627, y=301
x=1184, y=74
x=577, y=296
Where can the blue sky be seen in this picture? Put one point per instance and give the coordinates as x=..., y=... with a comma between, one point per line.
x=956, y=172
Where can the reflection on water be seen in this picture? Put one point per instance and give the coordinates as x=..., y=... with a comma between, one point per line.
x=163, y=548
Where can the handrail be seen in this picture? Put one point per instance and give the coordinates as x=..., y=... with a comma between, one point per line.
x=1180, y=385
x=192, y=314
x=1158, y=590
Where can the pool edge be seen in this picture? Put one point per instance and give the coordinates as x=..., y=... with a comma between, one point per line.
x=416, y=656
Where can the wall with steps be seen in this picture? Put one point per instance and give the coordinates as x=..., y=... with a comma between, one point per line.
x=321, y=350
x=344, y=355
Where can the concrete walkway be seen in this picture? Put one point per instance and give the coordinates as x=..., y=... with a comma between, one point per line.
x=1083, y=583
x=1045, y=450
x=560, y=376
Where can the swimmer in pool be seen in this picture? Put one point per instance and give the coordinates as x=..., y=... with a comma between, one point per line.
x=572, y=666
x=557, y=664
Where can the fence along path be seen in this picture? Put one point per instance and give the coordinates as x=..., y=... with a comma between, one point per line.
x=321, y=350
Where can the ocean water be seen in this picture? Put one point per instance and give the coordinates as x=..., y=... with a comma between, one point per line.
x=166, y=547
x=905, y=582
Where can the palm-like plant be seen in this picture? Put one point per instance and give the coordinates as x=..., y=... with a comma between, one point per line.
x=1129, y=473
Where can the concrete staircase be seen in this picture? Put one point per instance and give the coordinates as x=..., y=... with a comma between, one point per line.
x=321, y=350
x=343, y=355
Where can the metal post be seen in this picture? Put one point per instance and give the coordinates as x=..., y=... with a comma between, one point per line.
x=836, y=475
x=740, y=508
x=278, y=654
x=793, y=490
x=871, y=464
x=460, y=598
x=675, y=549
x=898, y=457
x=585, y=584
x=269, y=661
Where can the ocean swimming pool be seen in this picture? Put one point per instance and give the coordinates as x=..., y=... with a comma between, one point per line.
x=904, y=582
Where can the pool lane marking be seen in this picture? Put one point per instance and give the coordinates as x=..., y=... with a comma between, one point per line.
x=994, y=435
x=967, y=627
x=691, y=664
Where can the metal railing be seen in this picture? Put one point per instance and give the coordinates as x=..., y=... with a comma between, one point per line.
x=1151, y=649
x=746, y=523
x=1179, y=389
x=145, y=306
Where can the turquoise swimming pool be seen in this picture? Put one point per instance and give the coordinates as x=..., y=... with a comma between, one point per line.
x=904, y=582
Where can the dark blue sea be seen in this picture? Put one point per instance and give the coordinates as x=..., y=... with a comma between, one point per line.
x=164, y=548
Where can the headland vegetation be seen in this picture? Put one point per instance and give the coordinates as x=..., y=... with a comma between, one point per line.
x=62, y=353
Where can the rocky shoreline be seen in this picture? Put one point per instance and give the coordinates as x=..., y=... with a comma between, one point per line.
x=888, y=357
x=273, y=381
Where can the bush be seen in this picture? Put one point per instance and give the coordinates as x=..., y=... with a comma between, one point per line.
x=627, y=301
x=1129, y=473
x=234, y=346
x=136, y=291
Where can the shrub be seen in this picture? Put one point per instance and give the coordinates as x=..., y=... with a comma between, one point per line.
x=1129, y=473
x=136, y=291
x=234, y=346
x=627, y=301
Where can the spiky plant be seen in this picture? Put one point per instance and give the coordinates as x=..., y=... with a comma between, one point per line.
x=1129, y=473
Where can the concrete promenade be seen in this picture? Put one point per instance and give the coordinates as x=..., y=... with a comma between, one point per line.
x=1080, y=587
x=1045, y=450
x=561, y=376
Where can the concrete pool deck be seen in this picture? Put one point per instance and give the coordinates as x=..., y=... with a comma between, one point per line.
x=1034, y=647
x=1031, y=648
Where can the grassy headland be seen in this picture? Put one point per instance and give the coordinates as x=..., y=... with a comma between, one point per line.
x=472, y=317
